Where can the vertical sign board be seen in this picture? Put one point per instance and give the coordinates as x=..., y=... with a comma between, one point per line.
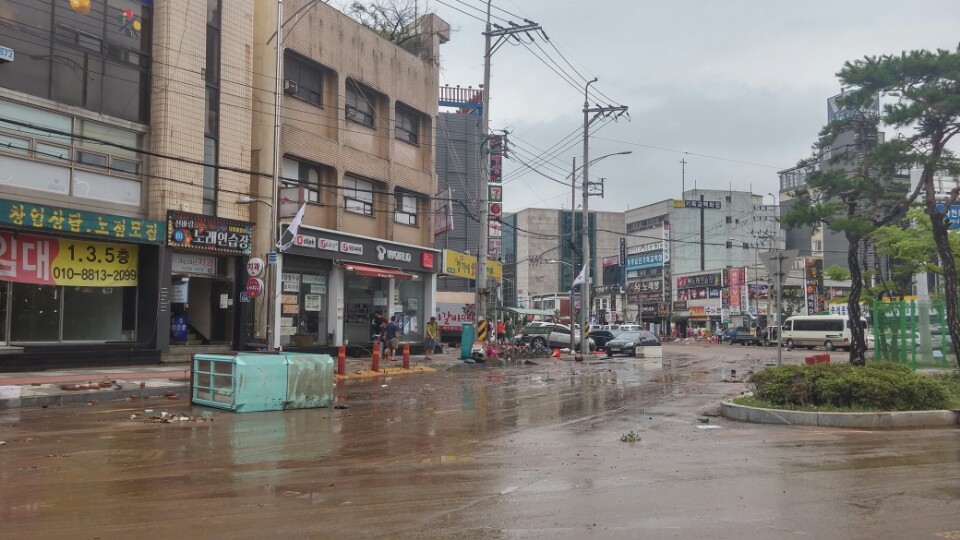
x=813, y=284
x=734, y=290
x=622, y=263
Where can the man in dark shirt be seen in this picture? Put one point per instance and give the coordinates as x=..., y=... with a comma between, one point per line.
x=391, y=332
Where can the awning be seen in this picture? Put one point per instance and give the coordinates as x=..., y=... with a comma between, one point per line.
x=534, y=312
x=378, y=272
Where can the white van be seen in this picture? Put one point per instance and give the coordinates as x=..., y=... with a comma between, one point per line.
x=830, y=331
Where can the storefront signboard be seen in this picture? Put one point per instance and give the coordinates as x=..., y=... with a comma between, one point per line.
x=347, y=248
x=255, y=267
x=179, y=292
x=698, y=311
x=311, y=302
x=701, y=280
x=313, y=279
x=306, y=241
x=189, y=263
x=327, y=244
x=204, y=233
x=291, y=309
x=289, y=299
x=290, y=277
x=291, y=286
x=458, y=264
x=56, y=219
x=318, y=289
x=254, y=287
x=288, y=330
x=45, y=260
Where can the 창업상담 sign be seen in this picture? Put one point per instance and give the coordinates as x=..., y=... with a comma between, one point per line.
x=53, y=219
x=58, y=261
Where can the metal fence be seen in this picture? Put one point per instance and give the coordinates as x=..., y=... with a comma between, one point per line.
x=912, y=333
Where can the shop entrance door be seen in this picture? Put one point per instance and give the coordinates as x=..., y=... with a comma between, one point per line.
x=202, y=311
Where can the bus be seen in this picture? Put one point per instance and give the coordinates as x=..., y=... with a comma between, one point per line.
x=829, y=331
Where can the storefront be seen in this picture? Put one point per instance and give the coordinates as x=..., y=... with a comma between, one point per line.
x=701, y=298
x=207, y=272
x=76, y=285
x=332, y=285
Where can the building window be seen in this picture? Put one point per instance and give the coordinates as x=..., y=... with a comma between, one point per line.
x=406, y=212
x=360, y=103
x=303, y=79
x=408, y=124
x=729, y=198
x=817, y=245
x=729, y=219
x=357, y=195
x=729, y=244
x=210, y=176
x=97, y=60
x=211, y=129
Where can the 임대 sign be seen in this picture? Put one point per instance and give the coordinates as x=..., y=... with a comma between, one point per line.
x=57, y=261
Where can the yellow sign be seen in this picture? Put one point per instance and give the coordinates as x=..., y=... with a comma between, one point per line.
x=458, y=264
x=45, y=260
x=95, y=264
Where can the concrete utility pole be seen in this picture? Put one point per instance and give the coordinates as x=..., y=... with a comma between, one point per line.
x=585, y=233
x=480, y=307
x=273, y=281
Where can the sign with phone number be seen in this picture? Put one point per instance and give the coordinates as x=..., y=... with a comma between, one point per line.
x=57, y=261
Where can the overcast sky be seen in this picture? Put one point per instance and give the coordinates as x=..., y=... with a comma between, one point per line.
x=741, y=86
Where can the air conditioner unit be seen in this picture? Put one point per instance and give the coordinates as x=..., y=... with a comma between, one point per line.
x=290, y=87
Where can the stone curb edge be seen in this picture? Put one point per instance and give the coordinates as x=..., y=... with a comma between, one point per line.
x=868, y=420
x=82, y=396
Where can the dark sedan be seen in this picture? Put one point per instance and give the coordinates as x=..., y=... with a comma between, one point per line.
x=601, y=337
x=627, y=343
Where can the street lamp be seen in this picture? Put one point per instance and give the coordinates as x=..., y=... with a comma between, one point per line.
x=271, y=273
x=572, y=327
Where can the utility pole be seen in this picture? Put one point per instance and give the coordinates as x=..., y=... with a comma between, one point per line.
x=683, y=176
x=573, y=253
x=585, y=233
x=489, y=48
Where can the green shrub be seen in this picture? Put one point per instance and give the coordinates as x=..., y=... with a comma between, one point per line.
x=879, y=386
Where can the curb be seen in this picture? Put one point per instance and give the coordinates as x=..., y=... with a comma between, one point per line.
x=866, y=420
x=80, y=397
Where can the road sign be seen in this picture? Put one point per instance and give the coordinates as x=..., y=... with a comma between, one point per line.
x=255, y=267
x=254, y=287
x=495, y=193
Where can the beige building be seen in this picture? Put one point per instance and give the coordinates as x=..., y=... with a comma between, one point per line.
x=357, y=149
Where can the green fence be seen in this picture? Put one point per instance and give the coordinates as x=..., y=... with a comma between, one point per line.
x=899, y=328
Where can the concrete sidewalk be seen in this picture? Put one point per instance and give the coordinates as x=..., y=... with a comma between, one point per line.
x=170, y=382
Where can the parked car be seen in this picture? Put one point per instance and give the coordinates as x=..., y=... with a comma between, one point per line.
x=550, y=335
x=739, y=334
x=601, y=337
x=627, y=343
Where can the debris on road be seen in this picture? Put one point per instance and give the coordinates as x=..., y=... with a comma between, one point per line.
x=710, y=427
x=630, y=437
x=167, y=418
x=341, y=406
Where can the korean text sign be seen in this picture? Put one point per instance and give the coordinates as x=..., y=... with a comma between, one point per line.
x=57, y=261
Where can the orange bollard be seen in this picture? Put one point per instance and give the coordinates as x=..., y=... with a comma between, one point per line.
x=376, y=357
x=406, y=356
x=342, y=360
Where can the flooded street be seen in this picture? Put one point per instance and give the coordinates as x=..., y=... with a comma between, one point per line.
x=528, y=451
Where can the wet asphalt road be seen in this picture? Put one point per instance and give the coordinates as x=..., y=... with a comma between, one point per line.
x=516, y=452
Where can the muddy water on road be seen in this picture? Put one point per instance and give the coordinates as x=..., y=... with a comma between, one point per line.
x=515, y=452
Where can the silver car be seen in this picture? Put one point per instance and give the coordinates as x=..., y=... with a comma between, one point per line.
x=555, y=336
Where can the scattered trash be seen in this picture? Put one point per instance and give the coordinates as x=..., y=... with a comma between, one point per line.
x=147, y=410
x=341, y=406
x=709, y=427
x=383, y=386
x=3, y=443
x=630, y=437
x=703, y=420
x=167, y=418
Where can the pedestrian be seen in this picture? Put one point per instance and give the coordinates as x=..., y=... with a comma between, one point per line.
x=432, y=337
x=509, y=331
x=376, y=325
x=501, y=334
x=390, y=332
x=381, y=338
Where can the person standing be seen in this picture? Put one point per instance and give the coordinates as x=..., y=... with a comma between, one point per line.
x=508, y=329
x=501, y=334
x=432, y=337
x=390, y=332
